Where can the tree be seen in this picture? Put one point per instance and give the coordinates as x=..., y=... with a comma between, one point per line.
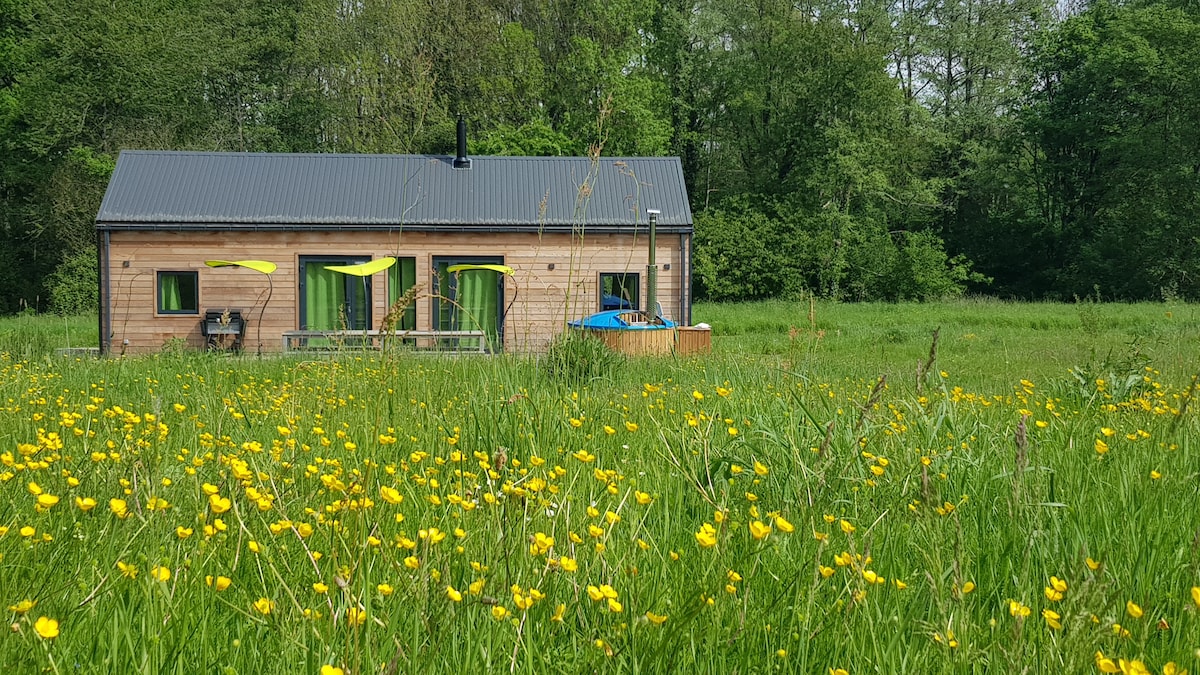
x=1117, y=127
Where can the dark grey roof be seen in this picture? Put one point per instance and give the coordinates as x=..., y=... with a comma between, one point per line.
x=192, y=190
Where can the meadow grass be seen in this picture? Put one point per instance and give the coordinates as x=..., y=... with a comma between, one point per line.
x=31, y=336
x=1024, y=501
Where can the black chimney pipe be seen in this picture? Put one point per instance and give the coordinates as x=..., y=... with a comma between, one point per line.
x=461, y=161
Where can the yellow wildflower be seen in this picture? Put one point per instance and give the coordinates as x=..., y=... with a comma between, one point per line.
x=46, y=627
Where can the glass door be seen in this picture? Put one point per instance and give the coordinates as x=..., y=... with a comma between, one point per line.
x=469, y=299
x=331, y=300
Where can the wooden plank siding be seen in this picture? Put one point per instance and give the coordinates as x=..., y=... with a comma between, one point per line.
x=539, y=300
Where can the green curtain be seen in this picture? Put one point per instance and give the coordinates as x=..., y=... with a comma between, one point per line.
x=324, y=296
x=479, y=300
x=401, y=277
x=443, y=310
x=170, y=298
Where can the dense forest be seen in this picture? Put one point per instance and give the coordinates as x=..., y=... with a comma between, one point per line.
x=852, y=149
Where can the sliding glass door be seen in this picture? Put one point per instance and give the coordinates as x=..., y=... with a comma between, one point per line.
x=469, y=299
x=331, y=300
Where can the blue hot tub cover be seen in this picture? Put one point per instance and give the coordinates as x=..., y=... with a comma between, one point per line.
x=618, y=319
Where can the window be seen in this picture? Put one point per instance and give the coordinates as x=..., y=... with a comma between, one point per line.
x=178, y=293
x=401, y=278
x=331, y=300
x=469, y=299
x=618, y=290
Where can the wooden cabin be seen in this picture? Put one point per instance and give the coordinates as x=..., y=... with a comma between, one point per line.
x=575, y=233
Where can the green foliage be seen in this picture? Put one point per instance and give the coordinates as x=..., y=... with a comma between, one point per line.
x=1118, y=124
x=74, y=287
x=740, y=254
x=575, y=357
x=745, y=254
x=856, y=150
x=533, y=139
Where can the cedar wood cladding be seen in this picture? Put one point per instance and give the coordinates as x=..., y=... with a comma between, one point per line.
x=168, y=211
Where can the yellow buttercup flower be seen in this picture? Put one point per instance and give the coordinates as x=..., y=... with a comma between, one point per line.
x=160, y=573
x=759, y=530
x=219, y=504
x=1106, y=665
x=46, y=628
x=656, y=619
x=1133, y=610
x=1053, y=619
x=219, y=583
x=263, y=606
x=22, y=606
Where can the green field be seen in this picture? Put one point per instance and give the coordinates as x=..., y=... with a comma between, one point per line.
x=824, y=492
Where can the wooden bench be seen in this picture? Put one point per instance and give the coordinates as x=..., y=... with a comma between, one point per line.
x=423, y=340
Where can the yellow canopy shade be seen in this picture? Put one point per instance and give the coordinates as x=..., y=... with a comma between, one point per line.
x=364, y=269
x=257, y=265
x=502, y=269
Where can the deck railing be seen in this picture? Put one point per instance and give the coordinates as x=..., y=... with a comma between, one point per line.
x=417, y=340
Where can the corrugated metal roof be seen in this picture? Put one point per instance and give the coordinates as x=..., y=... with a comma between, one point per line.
x=219, y=189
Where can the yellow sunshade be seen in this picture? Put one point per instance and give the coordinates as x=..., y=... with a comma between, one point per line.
x=263, y=266
x=502, y=269
x=364, y=269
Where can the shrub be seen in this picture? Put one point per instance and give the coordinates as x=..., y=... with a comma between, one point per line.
x=575, y=356
x=73, y=286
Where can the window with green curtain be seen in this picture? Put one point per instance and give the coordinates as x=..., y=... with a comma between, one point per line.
x=473, y=298
x=178, y=293
x=332, y=300
x=401, y=277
